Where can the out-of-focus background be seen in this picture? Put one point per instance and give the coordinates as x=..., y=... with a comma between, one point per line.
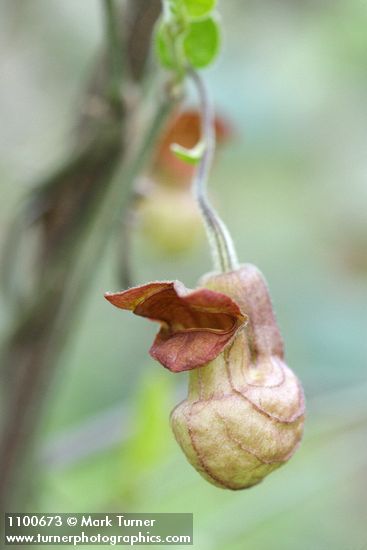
x=291, y=183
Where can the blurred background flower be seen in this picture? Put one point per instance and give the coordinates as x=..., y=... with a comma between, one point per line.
x=166, y=212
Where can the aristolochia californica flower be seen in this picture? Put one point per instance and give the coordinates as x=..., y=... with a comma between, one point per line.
x=244, y=414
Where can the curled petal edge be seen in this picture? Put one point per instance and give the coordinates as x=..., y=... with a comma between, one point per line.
x=196, y=325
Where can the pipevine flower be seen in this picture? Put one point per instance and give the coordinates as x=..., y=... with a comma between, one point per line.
x=244, y=414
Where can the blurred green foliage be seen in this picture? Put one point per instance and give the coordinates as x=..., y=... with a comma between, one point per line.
x=292, y=187
x=187, y=34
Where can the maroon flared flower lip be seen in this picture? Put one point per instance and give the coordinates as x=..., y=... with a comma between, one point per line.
x=196, y=325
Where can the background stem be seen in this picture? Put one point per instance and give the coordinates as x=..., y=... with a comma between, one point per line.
x=79, y=206
x=115, y=53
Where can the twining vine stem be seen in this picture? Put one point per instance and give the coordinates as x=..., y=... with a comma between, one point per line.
x=221, y=244
x=115, y=55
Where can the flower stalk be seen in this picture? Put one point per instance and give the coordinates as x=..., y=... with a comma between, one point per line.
x=220, y=240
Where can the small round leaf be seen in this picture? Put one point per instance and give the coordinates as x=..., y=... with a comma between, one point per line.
x=199, y=8
x=202, y=41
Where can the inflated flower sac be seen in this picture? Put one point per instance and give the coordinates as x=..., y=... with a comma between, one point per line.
x=244, y=414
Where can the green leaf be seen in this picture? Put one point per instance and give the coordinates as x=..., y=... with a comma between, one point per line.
x=199, y=8
x=201, y=44
x=149, y=443
x=162, y=45
x=191, y=156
